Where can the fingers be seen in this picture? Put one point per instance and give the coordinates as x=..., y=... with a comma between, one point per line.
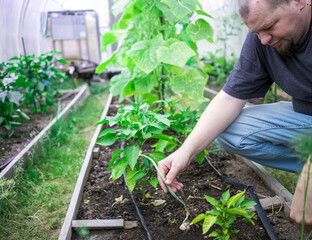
x=170, y=173
x=164, y=170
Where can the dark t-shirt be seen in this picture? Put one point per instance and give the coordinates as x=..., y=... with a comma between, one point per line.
x=260, y=65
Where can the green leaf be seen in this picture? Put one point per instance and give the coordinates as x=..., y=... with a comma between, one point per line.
x=62, y=61
x=107, y=131
x=99, y=69
x=119, y=82
x=234, y=199
x=153, y=182
x=201, y=30
x=225, y=197
x=249, y=214
x=115, y=155
x=160, y=145
x=143, y=53
x=22, y=115
x=200, y=157
x=145, y=84
x=108, y=38
x=102, y=122
x=157, y=156
x=119, y=168
x=200, y=217
x=14, y=97
x=177, y=53
x=247, y=203
x=131, y=154
x=201, y=12
x=107, y=140
x=181, y=8
x=167, y=13
x=248, y=219
x=212, y=201
x=191, y=85
x=237, y=211
x=213, y=234
x=1, y=120
x=133, y=177
x=163, y=119
x=209, y=221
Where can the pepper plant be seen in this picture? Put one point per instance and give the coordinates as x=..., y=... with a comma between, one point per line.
x=10, y=112
x=157, y=49
x=136, y=124
x=38, y=79
x=225, y=214
x=182, y=120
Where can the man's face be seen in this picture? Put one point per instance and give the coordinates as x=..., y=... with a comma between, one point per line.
x=284, y=27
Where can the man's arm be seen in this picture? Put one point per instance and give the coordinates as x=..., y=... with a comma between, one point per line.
x=219, y=114
x=296, y=213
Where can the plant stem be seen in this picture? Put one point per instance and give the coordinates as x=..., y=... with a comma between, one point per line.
x=169, y=188
x=305, y=196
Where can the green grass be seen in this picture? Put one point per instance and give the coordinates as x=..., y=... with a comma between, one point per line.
x=36, y=203
x=287, y=179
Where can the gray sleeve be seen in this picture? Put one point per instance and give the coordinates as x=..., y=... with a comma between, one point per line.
x=249, y=78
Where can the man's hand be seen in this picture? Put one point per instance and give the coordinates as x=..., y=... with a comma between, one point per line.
x=296, y=213
x=171, y=167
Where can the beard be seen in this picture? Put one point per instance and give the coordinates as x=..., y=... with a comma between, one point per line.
x=287, y=50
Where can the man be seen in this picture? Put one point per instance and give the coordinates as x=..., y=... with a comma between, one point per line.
x=277, y=49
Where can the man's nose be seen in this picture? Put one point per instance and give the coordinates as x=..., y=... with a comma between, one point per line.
x=264, y=37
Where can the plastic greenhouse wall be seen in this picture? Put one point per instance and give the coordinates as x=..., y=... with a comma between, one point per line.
x=24, y=19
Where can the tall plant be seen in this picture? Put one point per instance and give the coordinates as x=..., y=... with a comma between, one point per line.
x=157, y=47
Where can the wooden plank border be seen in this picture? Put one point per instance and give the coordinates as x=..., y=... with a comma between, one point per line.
x=21, y=158
x=66, y=231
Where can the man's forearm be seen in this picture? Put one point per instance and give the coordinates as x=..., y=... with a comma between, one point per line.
x=219, y=114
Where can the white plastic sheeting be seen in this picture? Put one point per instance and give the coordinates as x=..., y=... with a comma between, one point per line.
x=20, y=19
x=219, y=9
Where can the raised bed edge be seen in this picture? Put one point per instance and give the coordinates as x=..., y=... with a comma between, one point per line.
x=21, y=157
x=66, y=231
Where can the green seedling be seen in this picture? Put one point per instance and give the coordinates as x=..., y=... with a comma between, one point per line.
x=225, y=214
x=185, y=224
x=136, y=124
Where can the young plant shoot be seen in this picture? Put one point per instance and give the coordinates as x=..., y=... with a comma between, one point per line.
x=225, y=214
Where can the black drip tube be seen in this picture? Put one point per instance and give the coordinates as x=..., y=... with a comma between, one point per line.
x=135, y=203
x=251, y=190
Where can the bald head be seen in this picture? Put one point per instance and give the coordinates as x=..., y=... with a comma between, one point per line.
x=244, y=5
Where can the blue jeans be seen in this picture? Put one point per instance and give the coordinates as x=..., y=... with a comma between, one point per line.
x=264, y=134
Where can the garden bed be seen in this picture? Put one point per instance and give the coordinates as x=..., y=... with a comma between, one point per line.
x=98, y=197
x=24, y=139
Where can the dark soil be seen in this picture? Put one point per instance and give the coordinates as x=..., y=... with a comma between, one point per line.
x=16, y=139
x=163, y=221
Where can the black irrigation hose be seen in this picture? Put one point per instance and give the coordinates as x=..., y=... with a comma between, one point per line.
x=265, y=221
x=135, y=203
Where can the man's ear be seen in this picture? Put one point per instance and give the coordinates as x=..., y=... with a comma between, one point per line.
x=301, y=3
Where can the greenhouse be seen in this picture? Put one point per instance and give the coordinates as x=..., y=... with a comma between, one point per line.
x=163, y=120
